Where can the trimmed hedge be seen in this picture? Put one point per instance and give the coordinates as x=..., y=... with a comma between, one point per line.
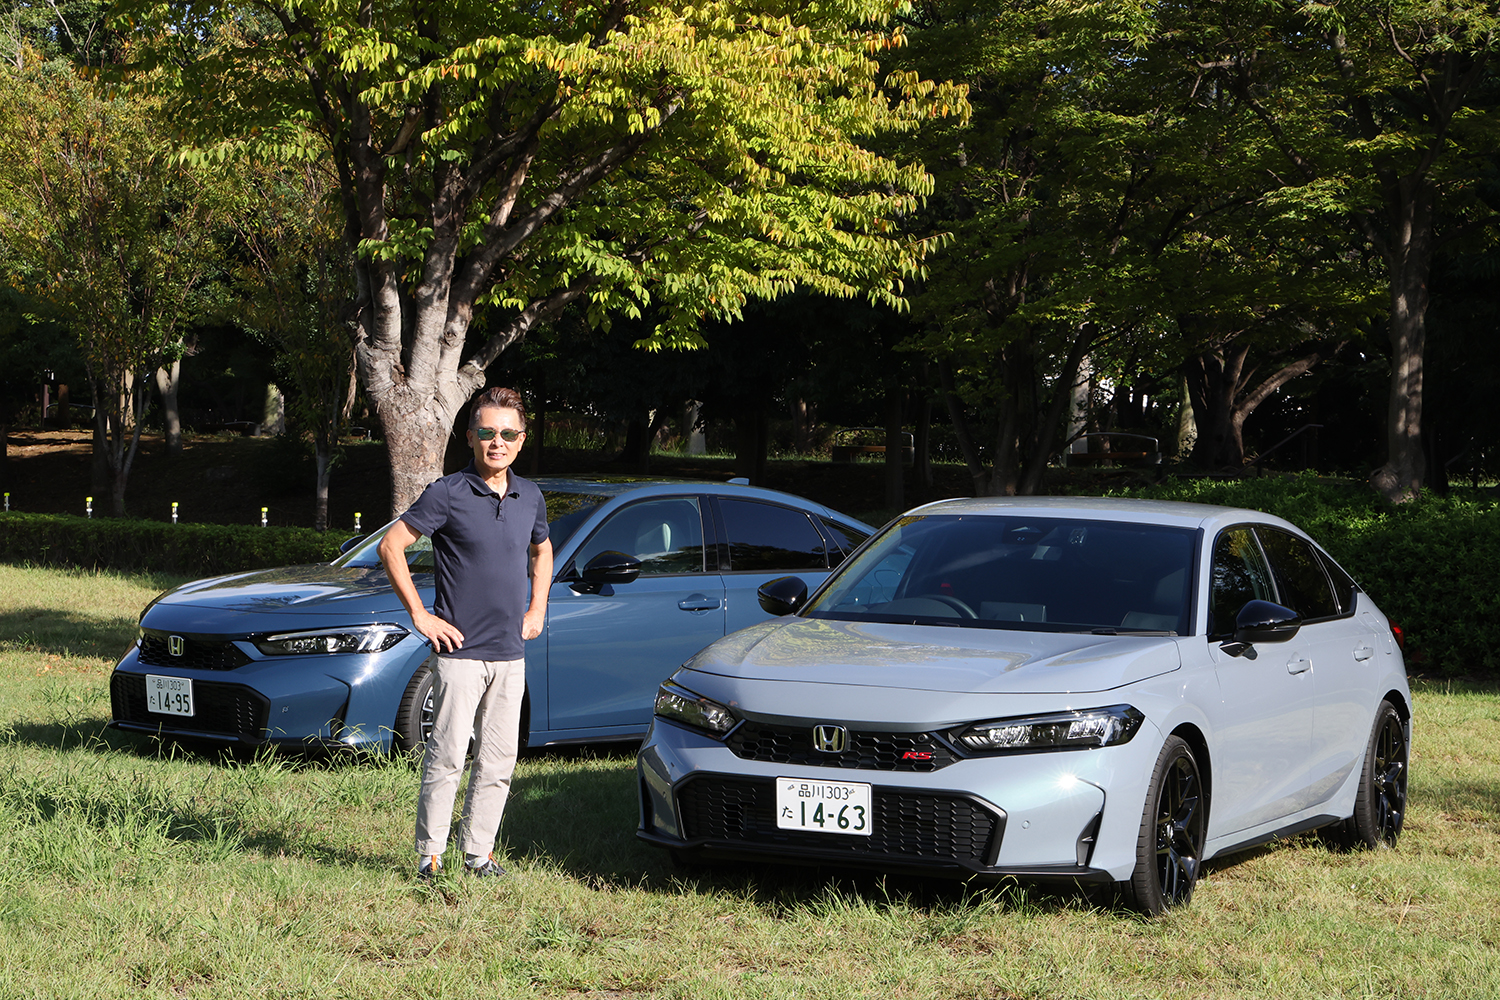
x=155, y=546
x=1433, y=565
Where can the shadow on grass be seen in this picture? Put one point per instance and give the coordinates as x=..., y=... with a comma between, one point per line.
x=583, y=823
x=66, y=633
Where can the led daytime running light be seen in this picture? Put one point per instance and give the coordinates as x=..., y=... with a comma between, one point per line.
x=681, y=705
x=360, y=639
x=1088, y=729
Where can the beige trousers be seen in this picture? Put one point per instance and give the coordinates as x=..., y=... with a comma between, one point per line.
x=478, y=699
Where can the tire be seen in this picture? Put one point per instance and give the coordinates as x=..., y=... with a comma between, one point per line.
x=1174, y=827
x=1380, y=803
x=414, y=716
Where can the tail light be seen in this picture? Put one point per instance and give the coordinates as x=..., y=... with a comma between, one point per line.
x=1400, y=635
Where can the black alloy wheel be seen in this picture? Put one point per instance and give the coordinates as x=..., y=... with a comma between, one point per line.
x=1380, y=806
x=1174, y=826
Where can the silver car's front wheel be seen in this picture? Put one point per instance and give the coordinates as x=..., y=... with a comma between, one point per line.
x=1174, y=825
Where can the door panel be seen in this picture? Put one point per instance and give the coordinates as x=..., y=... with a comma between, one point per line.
x=1263, y=722
x=608, y=648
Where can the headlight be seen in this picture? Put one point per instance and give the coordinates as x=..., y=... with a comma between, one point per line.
x=359, y=639
x=1094, y=727
x=681, y=705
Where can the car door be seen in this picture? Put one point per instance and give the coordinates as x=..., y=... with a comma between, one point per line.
x=1340, y=647
x=1263, y=722
x=610, y=646
x=763, y=541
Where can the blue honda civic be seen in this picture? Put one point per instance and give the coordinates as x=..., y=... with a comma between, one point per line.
x=646, y=573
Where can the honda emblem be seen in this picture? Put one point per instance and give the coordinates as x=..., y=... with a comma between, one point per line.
x=175, y=645
x=830, y=739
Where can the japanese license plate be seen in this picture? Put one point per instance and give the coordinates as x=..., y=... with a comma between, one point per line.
x=824, y=806
x=169, y=695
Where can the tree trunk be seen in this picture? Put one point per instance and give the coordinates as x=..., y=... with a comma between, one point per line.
x=895, y=450
x=168, y=381
x=961, y=433
x=323, y=457
x=1409, y=262
x=416, y=443
x=750, y=444
x=922, y=439
x=1213, y=382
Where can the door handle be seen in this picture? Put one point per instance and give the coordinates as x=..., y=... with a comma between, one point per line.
x=1300, y=665
x=698, y=602
x=1363, y=653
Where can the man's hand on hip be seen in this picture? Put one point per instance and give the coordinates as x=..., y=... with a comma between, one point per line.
x=444, y=636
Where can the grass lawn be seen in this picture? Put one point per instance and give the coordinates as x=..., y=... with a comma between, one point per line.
x=133, y=872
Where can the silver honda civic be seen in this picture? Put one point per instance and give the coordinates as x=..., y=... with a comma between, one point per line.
x=1092, y=690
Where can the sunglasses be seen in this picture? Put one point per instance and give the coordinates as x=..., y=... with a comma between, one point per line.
x=488, y=434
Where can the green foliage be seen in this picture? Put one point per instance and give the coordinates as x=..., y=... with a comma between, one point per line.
x=154, y=546
x=1431, y=565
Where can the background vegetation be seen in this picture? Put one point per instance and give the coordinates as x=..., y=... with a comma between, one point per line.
x=151, y=872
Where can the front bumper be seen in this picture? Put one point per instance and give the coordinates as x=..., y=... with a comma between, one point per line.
x=1035, y=816
x=315, y=701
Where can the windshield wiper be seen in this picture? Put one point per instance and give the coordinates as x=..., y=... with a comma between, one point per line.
x=1121, y=630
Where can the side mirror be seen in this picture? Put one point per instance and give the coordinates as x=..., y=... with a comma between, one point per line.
x=1262, y=621
x=782, y=596
x=349, y=543
x=608, y=566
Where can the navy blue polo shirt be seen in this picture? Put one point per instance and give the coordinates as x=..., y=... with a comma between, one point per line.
x=481, y=547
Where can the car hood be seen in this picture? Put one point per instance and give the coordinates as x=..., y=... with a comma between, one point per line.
x=937, y=658
x=319, y=589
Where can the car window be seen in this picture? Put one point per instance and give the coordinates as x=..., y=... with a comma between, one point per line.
x=848, y=538
x=1043, y=574
x=1304, y=585
x=665, y=534
x=366, y=554
x=1239, y=576
x=768, y=537
x=1344, y=587
x=565, y=512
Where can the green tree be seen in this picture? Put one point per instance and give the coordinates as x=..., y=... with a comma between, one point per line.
x=619, y=155
x=296, y=292
x=100, y=224
x=1384, y=118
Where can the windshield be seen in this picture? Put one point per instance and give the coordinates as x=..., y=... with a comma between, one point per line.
x=1010, y=572
x=565, y=512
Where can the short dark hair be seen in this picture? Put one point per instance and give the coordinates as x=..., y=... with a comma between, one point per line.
x=497, y=398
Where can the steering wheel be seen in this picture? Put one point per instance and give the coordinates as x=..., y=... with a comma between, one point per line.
x=964, y=611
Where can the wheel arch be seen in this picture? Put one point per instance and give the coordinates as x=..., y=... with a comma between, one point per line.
x=1190, y=734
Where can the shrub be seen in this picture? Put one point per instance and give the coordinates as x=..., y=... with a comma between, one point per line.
x=1432, y=565
x=155, y=546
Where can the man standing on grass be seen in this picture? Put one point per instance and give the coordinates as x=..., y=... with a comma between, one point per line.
x=485, y=522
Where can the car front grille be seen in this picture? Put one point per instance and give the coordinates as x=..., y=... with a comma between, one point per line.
x=866, y=751
x=197, y=654
x=917, y=826
x=225, y=709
